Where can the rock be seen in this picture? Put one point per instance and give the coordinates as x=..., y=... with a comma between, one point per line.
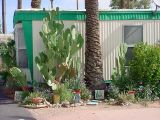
x=111, y=100
x=66, y=104
x=77, y=104
x=56, y=105
x=47, y=103
x=83, y=104
x=72, y=105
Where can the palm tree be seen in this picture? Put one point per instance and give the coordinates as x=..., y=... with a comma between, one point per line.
x=19, y=4
x=36, y=3
x=93, y=55
x=4, y=16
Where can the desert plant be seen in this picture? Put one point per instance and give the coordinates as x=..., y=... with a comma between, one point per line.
x=60, y=47
x=30, y=97
x=120, y=76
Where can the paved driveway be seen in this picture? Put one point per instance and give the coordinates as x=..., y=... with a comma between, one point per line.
x=13, y=112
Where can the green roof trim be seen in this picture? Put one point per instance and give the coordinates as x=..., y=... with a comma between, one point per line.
x=26, y=15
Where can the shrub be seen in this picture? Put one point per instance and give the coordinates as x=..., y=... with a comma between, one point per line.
x=145, y=69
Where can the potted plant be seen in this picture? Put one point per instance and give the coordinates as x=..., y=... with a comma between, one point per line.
x=36, y=98
x=77, y=91
x=132, y=94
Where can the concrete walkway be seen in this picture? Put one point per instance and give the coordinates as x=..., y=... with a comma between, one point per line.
x=13, y=112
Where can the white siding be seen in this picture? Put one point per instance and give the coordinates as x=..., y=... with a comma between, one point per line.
x=111, y=36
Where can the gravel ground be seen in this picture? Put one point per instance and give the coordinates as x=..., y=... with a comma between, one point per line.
x=100, y=112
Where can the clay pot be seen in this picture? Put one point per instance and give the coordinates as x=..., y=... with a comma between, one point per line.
x=132, y=94
x=77, y=91
x=37, y=100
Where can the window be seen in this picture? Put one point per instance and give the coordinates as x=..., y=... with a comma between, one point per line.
x=132, y=36
x=22, y=59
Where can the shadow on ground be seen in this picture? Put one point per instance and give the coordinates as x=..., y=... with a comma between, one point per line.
x=21, y=118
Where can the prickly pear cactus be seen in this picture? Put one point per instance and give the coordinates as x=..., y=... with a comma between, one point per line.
x=61, y=45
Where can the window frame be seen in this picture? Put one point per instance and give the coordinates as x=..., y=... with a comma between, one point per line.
x=19, y=48
x=123, y=39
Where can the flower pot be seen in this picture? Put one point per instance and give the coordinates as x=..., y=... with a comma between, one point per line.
x=37, y=100
x=132, y=94
x=77, y=96
x=56, y=98
x=77, y=91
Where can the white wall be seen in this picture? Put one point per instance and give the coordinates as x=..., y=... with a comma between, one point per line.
x=111, y=38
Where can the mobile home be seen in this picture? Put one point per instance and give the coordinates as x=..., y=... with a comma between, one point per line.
x=116, y=27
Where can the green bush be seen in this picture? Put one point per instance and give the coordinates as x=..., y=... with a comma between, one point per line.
x=145, y=70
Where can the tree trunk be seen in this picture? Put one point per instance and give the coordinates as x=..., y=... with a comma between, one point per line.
x=93, y=56
x=122, y=4
x=4, y=16
x=52, y=3
x=19, y=4
x=77, y=3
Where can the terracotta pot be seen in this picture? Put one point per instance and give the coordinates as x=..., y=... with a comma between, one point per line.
x=77, y=91
x=37, y=100
x=131, y=92
x=56, y=98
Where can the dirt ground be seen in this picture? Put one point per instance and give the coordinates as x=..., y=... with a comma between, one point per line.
x=100, y=112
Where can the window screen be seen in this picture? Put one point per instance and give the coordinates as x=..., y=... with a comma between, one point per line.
x=133, y=34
